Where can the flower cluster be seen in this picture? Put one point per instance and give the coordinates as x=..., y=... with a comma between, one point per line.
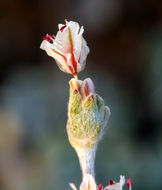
x=68, y=47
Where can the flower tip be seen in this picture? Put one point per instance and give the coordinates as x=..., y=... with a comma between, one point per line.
x=129, y=182
x=87, y=87
x=48, y=38
x=111, y=182
x=74, y=84
x=66, y=21
x=90, y=85
x=62, y=28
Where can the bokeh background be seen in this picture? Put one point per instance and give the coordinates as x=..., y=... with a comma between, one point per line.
x=125, y=63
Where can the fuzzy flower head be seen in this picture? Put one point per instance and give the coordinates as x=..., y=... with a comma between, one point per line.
x=68, y=47
x=87, y=114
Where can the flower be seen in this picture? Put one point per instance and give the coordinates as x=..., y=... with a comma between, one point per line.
x=68, y=48
x=114, y=185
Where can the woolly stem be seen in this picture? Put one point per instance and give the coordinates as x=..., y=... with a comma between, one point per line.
x=87, y=161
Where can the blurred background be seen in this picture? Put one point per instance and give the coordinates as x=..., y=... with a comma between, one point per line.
x=125, y=63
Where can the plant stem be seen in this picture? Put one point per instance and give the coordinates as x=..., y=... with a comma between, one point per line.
x=87, y=161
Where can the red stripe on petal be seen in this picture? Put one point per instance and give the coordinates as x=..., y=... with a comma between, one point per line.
x=73, y=61
x=62, y=28
x=65, y=59
x=71, y=69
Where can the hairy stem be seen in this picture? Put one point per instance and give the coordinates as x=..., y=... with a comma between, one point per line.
x=87, y=161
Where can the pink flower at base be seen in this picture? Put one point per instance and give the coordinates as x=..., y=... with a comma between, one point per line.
x=114, y=185
x=89, y=183
x=68, y=48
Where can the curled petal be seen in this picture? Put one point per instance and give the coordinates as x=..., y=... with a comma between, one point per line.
x=58, y=56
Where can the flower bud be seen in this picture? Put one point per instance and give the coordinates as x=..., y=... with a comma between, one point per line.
x=87, y=114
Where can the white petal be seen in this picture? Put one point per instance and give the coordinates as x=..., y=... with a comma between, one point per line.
x=78, y=44
x=83, y=56
x=50, y=49
x=74, y=27
x=116, y=186
x=122, y=180
x=81, y=31
x=62, y=41
x=60, y=26
x=113, y=187
x=45, y=45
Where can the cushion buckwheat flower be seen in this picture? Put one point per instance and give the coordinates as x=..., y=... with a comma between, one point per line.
x=68, y=48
